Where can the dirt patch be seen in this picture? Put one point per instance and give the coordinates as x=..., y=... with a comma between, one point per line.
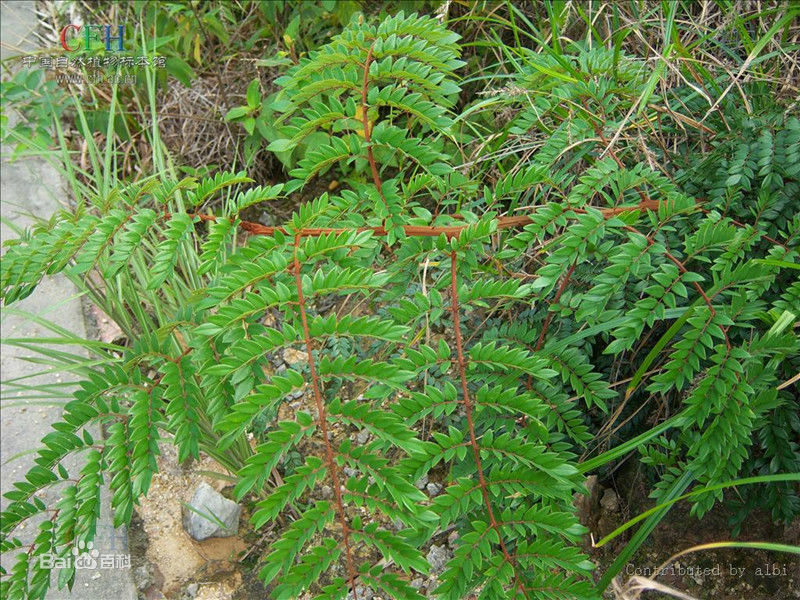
x=724, y=574
x=176, y=566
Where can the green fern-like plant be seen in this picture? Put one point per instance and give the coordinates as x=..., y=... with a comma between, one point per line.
x=440, y=334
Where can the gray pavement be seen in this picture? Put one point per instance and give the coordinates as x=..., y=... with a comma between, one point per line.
x=30, y=187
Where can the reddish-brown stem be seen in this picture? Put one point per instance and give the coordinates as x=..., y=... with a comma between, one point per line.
x=696, y=285
x=32, y=547
x=766, y=237
x=599, y=132
x=322, y=421
x=462, y=371
x=449, y=231
x=368, y=135
x=683, y=269
x=549, y=316
x=700, y=291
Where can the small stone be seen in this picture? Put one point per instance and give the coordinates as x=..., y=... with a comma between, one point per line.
x=452, y=539
x=609, y=501
x=208, y=501
x=192, y=589
x=434, y=489
x=266, y=218
x=416, y=583
x=143, y=576
x=293, y=357
x=327, y=492
x=363, y=593
x=398, y=525
x=350, y=471
x=437, y=558
x=362, y=437
x=422, y=482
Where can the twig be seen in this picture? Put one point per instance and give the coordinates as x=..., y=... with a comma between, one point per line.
x=549, y=317
x=470, y=425
x=368, y=136
x=450, y=231
x=322, y=420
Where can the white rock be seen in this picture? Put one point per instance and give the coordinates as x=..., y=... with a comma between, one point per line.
x=434, y=489
x=207, y=501
x=362, y=437
x=293, y=357
x=437, y=558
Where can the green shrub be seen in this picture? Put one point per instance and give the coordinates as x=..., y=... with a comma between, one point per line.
x=461, y=338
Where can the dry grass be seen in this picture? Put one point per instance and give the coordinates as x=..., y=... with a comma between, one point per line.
x=192, y=125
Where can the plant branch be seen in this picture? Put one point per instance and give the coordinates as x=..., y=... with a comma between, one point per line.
x=470, y=425
x=322, y=420
x=367, y=134
x=549, y=317
x=450, y=231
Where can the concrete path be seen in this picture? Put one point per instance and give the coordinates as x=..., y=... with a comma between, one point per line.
x=30, y=187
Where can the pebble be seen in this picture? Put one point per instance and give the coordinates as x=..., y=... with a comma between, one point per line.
x=434, y=489
x=437, y=558
x=292, y=356
x=609, y=501
x=143, y=576
x=206, y=500
x=362, y=437
x=422, y=482
x=363, y=593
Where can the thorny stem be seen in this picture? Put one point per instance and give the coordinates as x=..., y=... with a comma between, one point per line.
x=470, y=425
x=367, y=134
x=322, y=420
